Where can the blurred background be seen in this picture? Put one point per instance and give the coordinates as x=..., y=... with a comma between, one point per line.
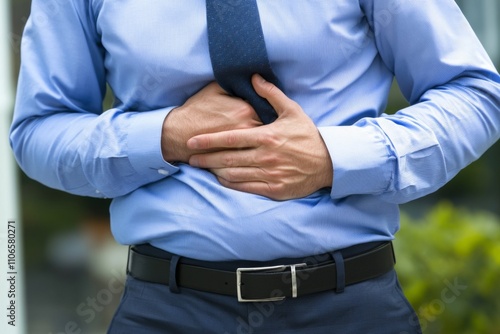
x=448, y=248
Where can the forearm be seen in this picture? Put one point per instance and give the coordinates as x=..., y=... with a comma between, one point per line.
x=414, y=152
x=458, y=122
x=104, y=155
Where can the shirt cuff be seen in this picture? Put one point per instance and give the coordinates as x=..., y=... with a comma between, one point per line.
x=144, y=142
x=361, y=159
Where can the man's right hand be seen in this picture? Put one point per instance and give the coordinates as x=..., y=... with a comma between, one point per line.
x=208, y=111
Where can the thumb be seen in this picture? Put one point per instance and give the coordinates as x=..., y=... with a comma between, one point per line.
x=278, y=100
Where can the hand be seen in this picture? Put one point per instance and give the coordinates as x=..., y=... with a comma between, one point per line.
x=209, y=110
x=282, y=160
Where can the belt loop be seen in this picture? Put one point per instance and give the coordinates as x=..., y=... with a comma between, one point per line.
x=129, y=255
x=172, y=282
x=339, y=265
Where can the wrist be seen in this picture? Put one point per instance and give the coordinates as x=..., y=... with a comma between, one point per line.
x=325, y=174
x=172, y=141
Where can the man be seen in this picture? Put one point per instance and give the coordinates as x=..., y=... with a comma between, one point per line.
x=209, y=195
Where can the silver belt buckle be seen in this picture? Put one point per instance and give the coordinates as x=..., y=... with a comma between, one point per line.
x=272, y=269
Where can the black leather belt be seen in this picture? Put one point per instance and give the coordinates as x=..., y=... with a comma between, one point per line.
x=269, y=283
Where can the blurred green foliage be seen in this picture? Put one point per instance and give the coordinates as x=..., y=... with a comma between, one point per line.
x=448, y=263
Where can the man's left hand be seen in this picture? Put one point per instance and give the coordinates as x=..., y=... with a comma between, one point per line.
x=282, y=160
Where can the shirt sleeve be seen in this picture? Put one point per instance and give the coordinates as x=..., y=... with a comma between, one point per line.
x=60, y=135
x=454, y=117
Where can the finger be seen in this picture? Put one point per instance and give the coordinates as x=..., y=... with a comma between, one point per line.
x=240, y=174
x=223, y=159
x=241, y=138
x=216, y=88
x=252, y=187
x=278, y=100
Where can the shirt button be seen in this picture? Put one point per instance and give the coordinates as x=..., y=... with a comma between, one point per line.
x=163, y=172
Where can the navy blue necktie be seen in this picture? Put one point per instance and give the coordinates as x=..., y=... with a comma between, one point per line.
x=237, y=51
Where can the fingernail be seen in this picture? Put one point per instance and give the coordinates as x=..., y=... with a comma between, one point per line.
x=260, y=78
x=193, y=143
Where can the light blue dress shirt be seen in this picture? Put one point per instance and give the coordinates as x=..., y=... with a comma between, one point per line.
x=337, y=59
